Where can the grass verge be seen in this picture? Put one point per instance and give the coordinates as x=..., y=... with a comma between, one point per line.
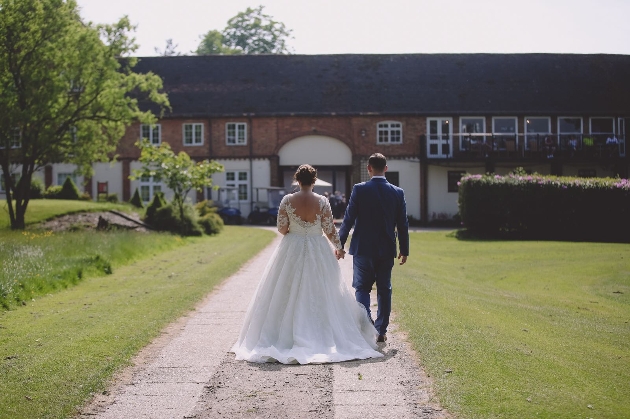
x=59, y=349
x=520, y=329
x=34, y=263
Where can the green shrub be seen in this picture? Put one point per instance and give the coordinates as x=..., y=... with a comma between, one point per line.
x=37, y=188
x=168, y=218
x=156, y=203
x=53, y=192
x=205, y=207
x=211, y=223
x=135, y=200
x=112, y=197
x=546, y=207
x=69, y=190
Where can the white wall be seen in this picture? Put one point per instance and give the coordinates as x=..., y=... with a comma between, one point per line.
x=259, y=176
x=110, y=173
x=409, y=176
x=66, y=168
x=441, y=201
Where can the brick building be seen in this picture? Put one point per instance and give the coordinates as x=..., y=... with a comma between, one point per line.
x=435, y=116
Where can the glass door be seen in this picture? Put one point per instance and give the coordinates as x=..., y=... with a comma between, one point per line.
x=439, y=137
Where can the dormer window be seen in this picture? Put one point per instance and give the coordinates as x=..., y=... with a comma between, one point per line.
x=389, y=132
x=236, y=133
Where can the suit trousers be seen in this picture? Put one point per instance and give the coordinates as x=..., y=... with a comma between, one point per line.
x=367, y=271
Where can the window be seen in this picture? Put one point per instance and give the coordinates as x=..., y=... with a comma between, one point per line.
x=239, y=181
x=570, y=131
x=453, y=180
x=61, y=178
x=472, y=130
x=3, y=186
x=148, y=188
x=393, y=178
x=389, y=132
x=504, y=129
x=151, y=133
x=439, y=137
x=193, y=134
x=602, y=128
x=536, y=130
x=236, y=133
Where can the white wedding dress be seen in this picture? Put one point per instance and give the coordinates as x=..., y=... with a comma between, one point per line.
x=302, y=311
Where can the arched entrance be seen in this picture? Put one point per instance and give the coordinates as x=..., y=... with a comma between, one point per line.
x=331, y=157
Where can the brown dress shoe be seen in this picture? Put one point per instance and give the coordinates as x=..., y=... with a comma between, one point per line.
x=381, y=338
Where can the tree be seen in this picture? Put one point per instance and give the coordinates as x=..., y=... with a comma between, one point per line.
x=170, y=50
x=249, y=32
x=212, y=44
x=179, y=172
x=67, y=92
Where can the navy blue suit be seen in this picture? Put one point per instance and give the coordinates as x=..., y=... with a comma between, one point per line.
x=377, y=210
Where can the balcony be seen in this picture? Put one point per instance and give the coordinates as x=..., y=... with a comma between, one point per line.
x=530, y=147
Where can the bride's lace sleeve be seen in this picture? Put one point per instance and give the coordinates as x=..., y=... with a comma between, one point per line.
x=283, y=219
x=328, y=225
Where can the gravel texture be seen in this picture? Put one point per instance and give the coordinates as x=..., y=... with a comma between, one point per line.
x=189, y=372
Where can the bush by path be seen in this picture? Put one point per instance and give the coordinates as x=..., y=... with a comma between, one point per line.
x=546, y=207
x=517, y=329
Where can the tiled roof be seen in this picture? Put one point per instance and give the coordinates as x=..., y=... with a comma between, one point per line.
x=402, y=84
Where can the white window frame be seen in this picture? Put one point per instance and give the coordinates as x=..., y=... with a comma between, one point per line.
x=66, y=175
x=236, y=139
x=579, y=134
x=590, y=125
x=389, y=128
x=527, y=134
x=153, y=129
x=471, y=136
x=621, y=135
x=238, y=182
x=440, y=140
x=196, y=140
x=147, y=183
x=502, y=134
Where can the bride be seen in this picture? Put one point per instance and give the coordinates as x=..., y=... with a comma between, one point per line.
x=302, y=311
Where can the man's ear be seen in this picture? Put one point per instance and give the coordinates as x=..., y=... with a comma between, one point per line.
x=385, y=170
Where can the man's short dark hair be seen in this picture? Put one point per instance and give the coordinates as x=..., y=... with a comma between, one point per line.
x=378, y=162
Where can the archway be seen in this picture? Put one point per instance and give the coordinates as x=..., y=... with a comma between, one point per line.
x=331, y=157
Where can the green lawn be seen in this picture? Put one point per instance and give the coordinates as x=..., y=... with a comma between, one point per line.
x=59, y=349
x=520, y=329
x=44, y=209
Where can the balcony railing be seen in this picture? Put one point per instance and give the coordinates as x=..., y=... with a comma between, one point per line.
x=482, y=146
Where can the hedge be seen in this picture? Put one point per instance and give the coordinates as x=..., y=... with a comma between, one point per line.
x=546, y=207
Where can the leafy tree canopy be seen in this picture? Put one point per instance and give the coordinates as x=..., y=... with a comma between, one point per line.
x=67, y=92
x=249, y=32
x=178, y=171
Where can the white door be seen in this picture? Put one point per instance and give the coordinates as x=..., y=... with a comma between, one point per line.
x=439, y=137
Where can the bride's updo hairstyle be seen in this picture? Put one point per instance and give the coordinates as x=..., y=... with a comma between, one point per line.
x=305, y=175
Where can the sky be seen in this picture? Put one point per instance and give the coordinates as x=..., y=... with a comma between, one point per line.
x=388, y=26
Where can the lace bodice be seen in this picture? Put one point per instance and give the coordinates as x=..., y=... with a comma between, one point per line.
x=323, y=221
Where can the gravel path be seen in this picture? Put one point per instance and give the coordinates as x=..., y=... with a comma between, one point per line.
x=189, y=373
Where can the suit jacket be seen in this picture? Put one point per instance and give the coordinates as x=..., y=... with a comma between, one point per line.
x=376, y=209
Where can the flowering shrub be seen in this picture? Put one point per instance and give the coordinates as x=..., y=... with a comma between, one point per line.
x=549, y=207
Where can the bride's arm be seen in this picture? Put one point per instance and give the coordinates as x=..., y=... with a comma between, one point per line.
x=328, y=226
x=282, y=221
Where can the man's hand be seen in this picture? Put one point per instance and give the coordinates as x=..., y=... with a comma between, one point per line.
x=402, y=258
x=340, y=254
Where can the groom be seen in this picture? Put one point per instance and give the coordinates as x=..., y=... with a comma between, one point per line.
x=376, y=210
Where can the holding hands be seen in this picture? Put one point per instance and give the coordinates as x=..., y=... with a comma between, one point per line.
x=340, y=253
